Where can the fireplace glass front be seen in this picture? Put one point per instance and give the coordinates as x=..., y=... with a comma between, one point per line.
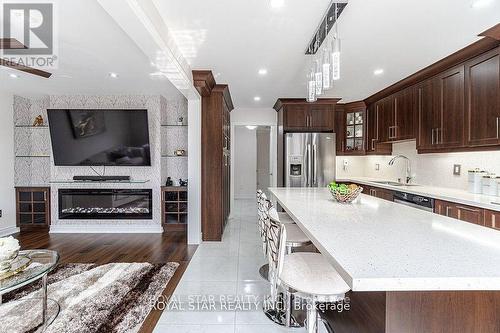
x=90, y=204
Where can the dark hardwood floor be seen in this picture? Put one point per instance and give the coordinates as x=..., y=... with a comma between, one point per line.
x=108, y=248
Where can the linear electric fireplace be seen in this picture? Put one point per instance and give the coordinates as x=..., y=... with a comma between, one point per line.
x=99, y=204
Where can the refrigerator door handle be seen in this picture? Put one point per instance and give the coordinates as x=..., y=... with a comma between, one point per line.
x=308, y=165
x=314, y=166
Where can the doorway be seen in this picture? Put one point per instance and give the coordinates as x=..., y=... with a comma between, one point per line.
x=253, y=162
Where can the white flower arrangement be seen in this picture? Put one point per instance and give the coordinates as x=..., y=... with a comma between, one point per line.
x=9, y=247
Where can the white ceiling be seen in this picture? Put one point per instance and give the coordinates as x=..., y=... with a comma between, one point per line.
x=91, y=45
x=235, y=38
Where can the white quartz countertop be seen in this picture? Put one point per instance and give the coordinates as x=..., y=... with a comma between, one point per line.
x=447, y=194
x=378, y=245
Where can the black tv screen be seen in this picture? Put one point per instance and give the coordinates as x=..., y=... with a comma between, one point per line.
x=99, y=137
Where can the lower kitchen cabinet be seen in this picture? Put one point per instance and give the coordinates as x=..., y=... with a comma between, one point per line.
x=492, y=219
x=458, y=211
x=377, y=192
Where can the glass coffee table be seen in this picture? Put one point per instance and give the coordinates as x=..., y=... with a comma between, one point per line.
x=33, y=265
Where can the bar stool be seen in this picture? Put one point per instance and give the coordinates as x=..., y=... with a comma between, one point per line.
x=307, y=275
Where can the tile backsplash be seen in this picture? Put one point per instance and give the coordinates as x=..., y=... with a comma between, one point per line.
x=428, y=169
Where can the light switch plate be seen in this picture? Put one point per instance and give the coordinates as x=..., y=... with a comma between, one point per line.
x=456, y=169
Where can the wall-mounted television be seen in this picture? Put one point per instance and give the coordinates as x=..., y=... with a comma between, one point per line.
x=99, y=137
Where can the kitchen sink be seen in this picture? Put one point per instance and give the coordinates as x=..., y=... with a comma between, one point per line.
x=386, y=182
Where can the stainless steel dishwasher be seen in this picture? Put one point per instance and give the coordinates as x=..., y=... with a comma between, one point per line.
x=415, y=201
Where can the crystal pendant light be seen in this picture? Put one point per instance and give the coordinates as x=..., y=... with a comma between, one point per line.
x=311, y=86
x=336, y=50
x=326, y=66
x=318, y=77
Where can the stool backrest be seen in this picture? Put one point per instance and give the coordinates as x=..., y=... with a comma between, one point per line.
x=263, y=206
x=273, y=238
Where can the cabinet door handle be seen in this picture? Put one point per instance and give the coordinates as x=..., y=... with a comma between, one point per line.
x=373, y=144
x=447, y=213
x=498, y=127
x=467, y=209
x=432, y=136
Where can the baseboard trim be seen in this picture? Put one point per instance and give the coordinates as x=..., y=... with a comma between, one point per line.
x=105, y=229
x=8, y=231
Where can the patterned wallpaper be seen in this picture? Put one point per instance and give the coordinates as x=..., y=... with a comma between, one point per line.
x=36, y=141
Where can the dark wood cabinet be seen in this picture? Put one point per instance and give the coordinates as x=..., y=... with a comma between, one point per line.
x=381, y=193
x=405, y=116
x=373, y=146
x=428, y=116
x=174, y=208
x=308, y=117
x=482, y=96
x=441, y=111
x=461, y=212
x=296, y=117
x=215, y=154
x=492, y=219
x=339, y=129
x=396, y=116
x=450, y=106
x=32, y=207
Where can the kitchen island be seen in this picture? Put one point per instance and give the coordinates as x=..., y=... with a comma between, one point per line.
x=409, y=270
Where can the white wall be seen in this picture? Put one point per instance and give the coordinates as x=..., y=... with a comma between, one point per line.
x=7, y=193
x=428, y=169
x=245, y=162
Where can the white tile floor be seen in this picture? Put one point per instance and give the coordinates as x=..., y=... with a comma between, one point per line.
x=228, y=269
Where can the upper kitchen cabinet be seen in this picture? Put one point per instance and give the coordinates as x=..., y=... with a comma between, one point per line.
x=354, y=131
x=482, y=97
x=301, y=116
x=373, y=146
x=339, y=124
x=396, y=116
x=441, y=106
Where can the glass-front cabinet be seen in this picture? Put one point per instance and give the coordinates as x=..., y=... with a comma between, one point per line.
x=354, y=129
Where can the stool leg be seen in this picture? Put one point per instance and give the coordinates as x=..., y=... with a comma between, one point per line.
x=288, y=249
x=288, y=309
x=312, y=317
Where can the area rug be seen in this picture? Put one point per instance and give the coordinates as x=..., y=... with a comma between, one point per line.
x=114, y=297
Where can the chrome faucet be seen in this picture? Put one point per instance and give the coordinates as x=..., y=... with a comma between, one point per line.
x=408, y=166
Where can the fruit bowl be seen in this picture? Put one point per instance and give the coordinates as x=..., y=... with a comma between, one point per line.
x=345, y=193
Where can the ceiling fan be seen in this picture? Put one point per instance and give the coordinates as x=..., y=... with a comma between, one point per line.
x=12, y=43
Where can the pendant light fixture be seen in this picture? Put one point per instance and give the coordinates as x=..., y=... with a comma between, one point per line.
x=311, y=83
x=318, y=75
x=336, y=49
x=326, y=67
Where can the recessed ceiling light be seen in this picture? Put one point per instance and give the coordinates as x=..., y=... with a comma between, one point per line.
x=277, y=3
x=256, y=98
x=251, y=127
x=480, y=3
x=378, y=71
x=14, y=76
x=113, y=75
x=262, y=71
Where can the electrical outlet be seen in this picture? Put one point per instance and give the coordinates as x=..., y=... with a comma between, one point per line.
x=345, y=164
x=377, y=166
x=456, y=169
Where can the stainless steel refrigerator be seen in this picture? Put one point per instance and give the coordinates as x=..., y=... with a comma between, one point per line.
x=310, y=159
